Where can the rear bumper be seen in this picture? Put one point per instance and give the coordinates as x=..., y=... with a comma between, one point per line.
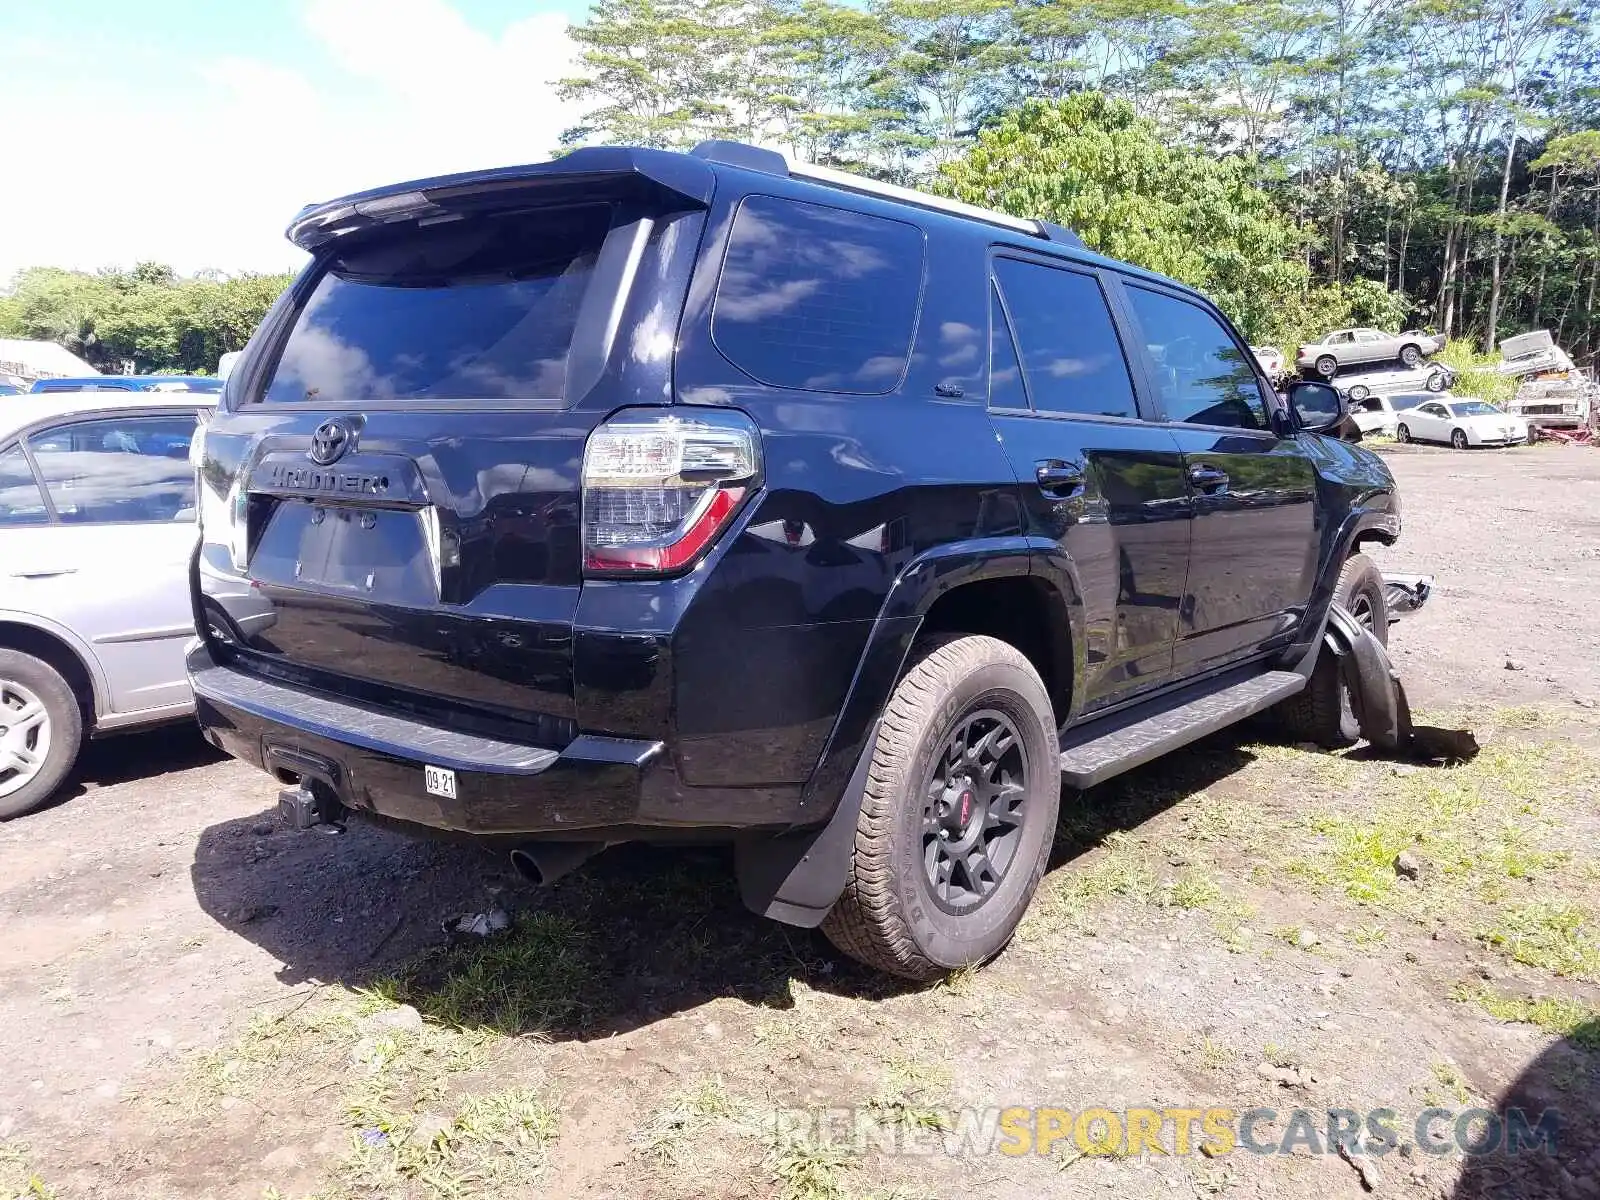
x=374, y=762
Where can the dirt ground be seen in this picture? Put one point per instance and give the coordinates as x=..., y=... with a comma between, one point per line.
x=195, y=1002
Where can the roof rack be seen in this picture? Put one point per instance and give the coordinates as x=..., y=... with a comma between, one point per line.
x=775, y=162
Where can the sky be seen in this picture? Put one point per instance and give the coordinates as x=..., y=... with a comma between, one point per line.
x=189, y=132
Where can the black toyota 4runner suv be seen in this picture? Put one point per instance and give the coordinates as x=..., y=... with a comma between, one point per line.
x=715, y=497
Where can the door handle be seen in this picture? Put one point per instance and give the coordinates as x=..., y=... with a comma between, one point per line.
x=1055, y=476
x=1207, y=478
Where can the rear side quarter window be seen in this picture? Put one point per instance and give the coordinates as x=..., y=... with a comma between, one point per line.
x=818, y=298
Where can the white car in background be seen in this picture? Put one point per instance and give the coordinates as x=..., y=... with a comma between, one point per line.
x=97, y=525
x=1460, y=423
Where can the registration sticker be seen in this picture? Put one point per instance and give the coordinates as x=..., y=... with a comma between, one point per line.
x=439, y=782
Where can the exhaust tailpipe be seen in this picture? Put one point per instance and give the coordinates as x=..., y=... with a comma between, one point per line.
x=542, y=863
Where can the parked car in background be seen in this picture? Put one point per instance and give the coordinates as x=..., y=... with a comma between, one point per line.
x=7, y=388
x=1460, y=423
x=1373, y=415
x=1344, y=348
x=1430, y=377
x=97, y=524
x=206, y=384
x=1272, y=362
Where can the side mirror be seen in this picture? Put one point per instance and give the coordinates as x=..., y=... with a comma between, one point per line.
x=1319, y=407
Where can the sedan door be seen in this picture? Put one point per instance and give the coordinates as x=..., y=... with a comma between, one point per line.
x=1429, y=422
x=113, y=565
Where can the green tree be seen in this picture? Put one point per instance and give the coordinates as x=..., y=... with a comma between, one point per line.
x=1092, y=164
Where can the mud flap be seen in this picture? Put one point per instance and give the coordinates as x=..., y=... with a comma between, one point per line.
x=1379, y=698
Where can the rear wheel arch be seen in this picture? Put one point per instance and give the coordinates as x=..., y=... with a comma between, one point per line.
x=1025, y=612
x=67, y=659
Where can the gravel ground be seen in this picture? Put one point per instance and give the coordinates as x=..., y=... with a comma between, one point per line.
x=158, y=914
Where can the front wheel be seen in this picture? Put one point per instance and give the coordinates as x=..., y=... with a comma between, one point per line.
x=958, y=815
x=1436, y=382
x=1402, y=432
x=1411, y=356
x=41, y=731
x=1458, y=438
x=1323, y=712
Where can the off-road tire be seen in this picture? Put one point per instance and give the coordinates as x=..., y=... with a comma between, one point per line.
x=886, y=917
x=1322, y=712
x=66, y=729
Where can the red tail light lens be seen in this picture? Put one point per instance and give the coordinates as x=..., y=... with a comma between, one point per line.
x=658, y=487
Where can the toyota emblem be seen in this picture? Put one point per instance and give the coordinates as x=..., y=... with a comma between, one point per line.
x=329, y=442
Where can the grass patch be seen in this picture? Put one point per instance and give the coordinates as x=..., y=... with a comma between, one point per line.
x=540, y=974
x=491, y=1144
x=18, y=1180
x=909, y=1095
x=1473, y=825
x=1447, y=1084
x=1578, y=1023
x=805, y=1169
x=701, y=1105
x=1555, y=936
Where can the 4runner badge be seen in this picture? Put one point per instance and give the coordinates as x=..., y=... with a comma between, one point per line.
x=329, y=442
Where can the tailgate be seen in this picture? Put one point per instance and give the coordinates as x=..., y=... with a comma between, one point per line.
x=390, y=502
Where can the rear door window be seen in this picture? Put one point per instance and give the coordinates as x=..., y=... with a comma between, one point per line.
x=1071, y=358
x=1203, y=375
x=478, y=309
x=20, y=500
x=818, y=298
x=118, y=470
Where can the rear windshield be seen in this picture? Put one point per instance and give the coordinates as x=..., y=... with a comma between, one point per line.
x=476, y=309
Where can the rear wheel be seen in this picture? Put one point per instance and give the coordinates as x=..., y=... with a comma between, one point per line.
x=1402, y=432
x=1323, y=713
x=958, y=816
x=1458, y=438
x=1327, y=366
x=41, y=731
x=1360, y=392
x=1411, y=356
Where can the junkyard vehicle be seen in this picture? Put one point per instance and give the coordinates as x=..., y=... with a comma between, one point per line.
x=1271, y=361
x=1345, y=348
x=1552, y=393
x=97, y=524
x=1431, y=377
x=1460, y=423
x=130, y=383
x=717, y=497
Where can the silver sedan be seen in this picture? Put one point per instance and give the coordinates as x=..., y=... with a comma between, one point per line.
x=97, y=524
x=1348, y=347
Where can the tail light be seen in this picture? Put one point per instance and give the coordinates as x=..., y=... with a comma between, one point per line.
x=221, y=512
x=659, y=487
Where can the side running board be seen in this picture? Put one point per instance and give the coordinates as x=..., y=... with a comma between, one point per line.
x=1095, y=753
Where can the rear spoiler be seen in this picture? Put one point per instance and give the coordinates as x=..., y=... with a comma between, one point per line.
x=676, y=178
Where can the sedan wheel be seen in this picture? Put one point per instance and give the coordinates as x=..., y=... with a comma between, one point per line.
x=24, y=736
x=1436, y=382
x=1402, y=433
x=41, y=730
x=1458, y=438
x=1327, y=366
x=1360, y=392
x=1411, y=356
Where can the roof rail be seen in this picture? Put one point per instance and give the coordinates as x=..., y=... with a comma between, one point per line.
x=775, y=162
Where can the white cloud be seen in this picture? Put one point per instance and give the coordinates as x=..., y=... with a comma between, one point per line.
x=418, y=91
